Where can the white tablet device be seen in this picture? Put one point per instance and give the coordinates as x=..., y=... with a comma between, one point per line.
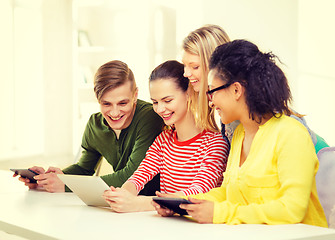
x=88, y=188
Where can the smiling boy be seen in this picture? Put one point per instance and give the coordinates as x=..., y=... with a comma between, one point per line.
x=121, y=133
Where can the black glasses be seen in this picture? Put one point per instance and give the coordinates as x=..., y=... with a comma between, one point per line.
x=210, y=92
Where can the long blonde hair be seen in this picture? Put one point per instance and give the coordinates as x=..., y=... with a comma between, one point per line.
x=202, y=42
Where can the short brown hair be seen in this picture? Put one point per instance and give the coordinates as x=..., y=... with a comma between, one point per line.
x=112, y=75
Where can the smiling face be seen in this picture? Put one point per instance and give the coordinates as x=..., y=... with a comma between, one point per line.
x=223, y=100
x=192, y=69
x=169, y=102
x=118, y=106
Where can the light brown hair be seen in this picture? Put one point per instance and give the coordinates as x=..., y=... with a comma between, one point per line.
x=112, y=75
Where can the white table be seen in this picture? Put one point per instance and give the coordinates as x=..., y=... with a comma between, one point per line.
x=42, y=215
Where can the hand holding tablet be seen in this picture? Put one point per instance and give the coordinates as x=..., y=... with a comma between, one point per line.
x=25, y=173
x=172, y=203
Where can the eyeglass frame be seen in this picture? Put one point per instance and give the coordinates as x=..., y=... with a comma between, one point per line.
x=209, y=93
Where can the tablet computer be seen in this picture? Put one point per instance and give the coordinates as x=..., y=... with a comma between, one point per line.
x=25, y=173
x=88, y=188
x=172, y=203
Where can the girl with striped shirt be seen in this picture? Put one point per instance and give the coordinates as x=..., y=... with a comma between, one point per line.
x=189, y=159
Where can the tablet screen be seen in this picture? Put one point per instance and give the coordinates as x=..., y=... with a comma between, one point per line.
x=88, y=188
x=172, y=203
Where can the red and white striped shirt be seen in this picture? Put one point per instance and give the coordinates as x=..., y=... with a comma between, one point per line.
x=193, y=166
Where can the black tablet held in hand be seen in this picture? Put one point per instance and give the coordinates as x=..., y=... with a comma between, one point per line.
x=26, y=173
x=172, y=203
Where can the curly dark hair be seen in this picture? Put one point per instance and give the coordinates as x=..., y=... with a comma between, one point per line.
x=267, y=89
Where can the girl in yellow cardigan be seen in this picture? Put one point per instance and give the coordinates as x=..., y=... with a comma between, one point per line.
x=270, y=176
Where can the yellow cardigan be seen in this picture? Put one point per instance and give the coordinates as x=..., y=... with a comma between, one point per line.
x=276, y=183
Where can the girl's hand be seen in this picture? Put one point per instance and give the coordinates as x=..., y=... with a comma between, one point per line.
x=121, y=200
x=202, y=210
x=164, y=212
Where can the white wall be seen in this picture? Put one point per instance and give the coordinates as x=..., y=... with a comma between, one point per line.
x=316, y=80
x=6, y=80
x=271, y=25
x=300, y=32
